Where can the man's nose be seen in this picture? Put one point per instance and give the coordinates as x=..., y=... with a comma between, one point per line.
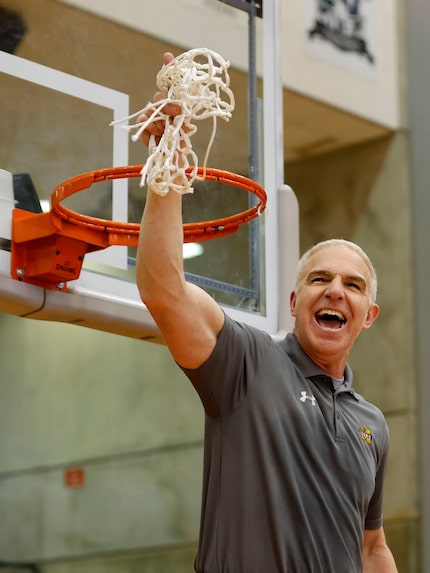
x=335, y=288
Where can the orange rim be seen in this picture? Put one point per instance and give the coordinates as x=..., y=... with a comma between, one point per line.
x=199, y=231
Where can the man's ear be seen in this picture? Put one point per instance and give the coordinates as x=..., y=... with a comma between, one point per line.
x=293, y=303
x=372, y=315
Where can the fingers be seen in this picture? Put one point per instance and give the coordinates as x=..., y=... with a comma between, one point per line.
x=156, y=128
x=167, y=58
x=171, y=109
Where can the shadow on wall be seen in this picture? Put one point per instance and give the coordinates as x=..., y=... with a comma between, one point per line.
x=333, y=189
x=15, y=566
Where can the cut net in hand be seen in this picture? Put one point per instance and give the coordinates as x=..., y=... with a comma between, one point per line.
x=197, y=82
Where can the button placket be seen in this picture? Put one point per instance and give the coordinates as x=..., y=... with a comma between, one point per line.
x=339, y=428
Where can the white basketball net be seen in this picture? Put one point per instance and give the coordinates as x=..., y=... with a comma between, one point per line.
x=198, y=82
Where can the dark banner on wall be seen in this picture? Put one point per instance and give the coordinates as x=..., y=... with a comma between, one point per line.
x=343, y=32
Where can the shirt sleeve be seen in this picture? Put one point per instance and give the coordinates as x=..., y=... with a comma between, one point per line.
x=374, y=512
x=222, y=381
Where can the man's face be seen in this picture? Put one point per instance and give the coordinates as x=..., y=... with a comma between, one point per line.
x=331, y=305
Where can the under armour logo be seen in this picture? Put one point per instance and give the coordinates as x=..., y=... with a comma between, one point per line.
x=305, y=397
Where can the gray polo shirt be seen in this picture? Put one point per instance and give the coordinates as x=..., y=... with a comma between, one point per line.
x=293, y=470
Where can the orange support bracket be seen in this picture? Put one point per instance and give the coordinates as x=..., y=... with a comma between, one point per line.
x=47, y=251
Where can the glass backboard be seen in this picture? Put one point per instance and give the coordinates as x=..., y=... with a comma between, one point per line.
x=58, y=127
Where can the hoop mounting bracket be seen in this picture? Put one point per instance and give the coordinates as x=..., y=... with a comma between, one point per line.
x=45, y=252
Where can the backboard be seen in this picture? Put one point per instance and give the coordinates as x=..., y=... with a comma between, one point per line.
x=58, y=127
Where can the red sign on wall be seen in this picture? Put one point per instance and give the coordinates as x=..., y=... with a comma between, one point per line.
x=74, y=477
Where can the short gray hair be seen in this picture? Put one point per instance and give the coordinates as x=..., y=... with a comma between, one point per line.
x=373, y=287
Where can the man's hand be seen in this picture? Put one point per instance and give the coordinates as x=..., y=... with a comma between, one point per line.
x=156, y=128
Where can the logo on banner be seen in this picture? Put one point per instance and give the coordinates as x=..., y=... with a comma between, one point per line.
x=341, y=23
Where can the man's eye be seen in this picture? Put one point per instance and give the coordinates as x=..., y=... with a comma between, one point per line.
x=354, y=286
x=319, y=280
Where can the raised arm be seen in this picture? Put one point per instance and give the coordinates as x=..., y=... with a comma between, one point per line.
x=188, y=318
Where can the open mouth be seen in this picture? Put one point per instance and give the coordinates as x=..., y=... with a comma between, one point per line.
x=330, y=318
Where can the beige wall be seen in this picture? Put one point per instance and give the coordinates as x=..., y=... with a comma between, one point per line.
x=362, y=193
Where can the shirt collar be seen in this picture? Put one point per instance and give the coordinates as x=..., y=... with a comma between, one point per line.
x=308, y=367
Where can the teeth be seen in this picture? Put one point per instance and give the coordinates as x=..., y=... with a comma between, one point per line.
x=334, y=313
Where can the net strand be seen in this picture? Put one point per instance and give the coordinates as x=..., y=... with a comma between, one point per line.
x=198, y=83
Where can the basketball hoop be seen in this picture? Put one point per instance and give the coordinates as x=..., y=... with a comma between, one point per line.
x=48, y=249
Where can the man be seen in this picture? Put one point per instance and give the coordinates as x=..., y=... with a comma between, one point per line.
x=294, y=458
